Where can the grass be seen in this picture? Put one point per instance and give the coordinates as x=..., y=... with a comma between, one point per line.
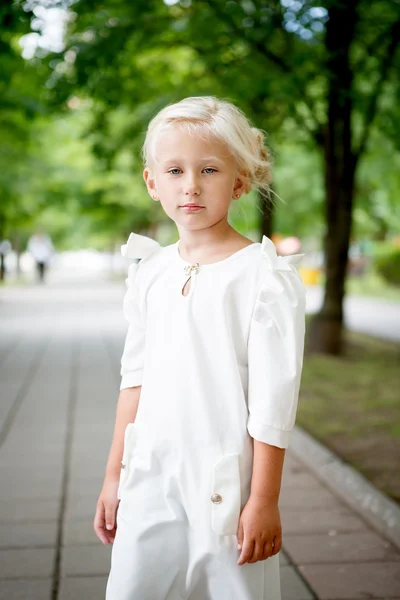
x=372, y=284
x=352, y=404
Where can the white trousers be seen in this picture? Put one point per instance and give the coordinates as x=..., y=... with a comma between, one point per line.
x=173, y=543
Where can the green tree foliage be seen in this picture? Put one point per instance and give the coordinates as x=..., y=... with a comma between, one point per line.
x=328, y=67
x=319, y=77
x=18, y=104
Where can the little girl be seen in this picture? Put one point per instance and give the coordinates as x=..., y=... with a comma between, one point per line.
x=210, y=376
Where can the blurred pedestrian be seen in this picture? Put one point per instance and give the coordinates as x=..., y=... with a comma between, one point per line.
x=41, y=247
x=210, y=376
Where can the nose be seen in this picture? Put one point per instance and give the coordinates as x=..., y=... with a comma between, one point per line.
x=191, y=186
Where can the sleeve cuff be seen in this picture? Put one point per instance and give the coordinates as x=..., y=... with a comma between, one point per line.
x=131, y=380
x=267, y=434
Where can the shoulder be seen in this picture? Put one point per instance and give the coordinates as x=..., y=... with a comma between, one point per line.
x=274, y=263
x=279, y=293
x=140, y=246
x=277, y=275
x=149, y=255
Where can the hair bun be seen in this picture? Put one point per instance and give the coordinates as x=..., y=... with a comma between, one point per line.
x=262, y=170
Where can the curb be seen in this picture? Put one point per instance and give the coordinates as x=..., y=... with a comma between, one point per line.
x=352, y=487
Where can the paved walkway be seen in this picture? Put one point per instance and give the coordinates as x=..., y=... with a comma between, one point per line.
x=60, y=348
x=380, y=318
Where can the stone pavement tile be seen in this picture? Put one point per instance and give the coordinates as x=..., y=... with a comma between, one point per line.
x=95, y=432
x=34, y=460
x=91, y=457
x=34, y=490
x=20, y=535
x=87, y=466
x=25, y=509
x=80, y=532
x=283, y=558
x=81, y=470
x=32, y=562
x=21, y=443
x=291, y=464
x=307, y=498
x=299, y=481
x=83, y=588
x=343, y=547
x=85, y=485
x=292, y=585
x=333, y=519
x=86, y=560
x=10, y=471
x=9, y=391
x=92, y=443
x=356, y=580
x=81, y=505
x=47, y=435
x=26, y=589
x=34, y=482
x=291, y=460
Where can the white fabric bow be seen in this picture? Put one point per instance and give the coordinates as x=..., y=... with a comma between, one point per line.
x=275, y=262
x=139, y=246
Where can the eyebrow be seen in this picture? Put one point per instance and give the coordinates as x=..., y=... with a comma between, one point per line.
x=206, y=159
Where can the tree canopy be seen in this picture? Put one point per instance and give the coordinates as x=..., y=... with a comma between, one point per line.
x=318, y=77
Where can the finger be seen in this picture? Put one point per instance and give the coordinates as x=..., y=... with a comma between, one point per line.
x=277, y=545
x=247, y=551
x=98, y=524
x=240, y=535
x=267, y=550
x=110, y=516
x=257, y=552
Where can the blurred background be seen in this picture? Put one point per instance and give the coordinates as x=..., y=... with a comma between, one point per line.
x=80, y=81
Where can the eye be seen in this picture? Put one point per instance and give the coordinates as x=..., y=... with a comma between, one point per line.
x=174, y=171
x=210, y=170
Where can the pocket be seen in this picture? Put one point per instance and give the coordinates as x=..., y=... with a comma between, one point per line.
x=226, y=495
x=129, y=442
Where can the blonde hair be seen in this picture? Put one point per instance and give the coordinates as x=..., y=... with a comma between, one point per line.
x=227, y=123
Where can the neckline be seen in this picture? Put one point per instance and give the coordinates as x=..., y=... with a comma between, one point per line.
x=218, y=262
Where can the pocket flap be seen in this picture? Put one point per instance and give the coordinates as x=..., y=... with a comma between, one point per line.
x=129, y=442
x=225, y=495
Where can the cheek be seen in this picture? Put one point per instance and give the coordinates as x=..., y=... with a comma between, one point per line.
x=168, y=183
x=222, y=186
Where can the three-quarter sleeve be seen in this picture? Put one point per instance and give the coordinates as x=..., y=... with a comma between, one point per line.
x=275, y=350
x=132, y=360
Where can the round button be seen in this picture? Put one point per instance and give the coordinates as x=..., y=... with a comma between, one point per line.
x=216, y=498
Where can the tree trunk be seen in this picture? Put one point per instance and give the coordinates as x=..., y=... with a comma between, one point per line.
x=2, y=234
x=18, y=264
x=266, y=208
x=340, y=164
x=2, y=268
x=16, y=244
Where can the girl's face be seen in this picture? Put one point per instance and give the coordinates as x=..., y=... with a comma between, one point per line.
x=194, y=170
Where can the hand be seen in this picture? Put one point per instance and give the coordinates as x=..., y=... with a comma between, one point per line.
x=106, y=511
x=259, y=531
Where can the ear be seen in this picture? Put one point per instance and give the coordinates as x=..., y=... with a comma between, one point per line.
x=239, y=187
x=150, y=183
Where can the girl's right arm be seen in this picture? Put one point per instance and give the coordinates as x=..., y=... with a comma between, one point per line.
x=107, y=503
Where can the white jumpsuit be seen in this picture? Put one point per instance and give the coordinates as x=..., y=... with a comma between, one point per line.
x=218, y=367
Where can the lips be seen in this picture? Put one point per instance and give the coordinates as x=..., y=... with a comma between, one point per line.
x=192, y=206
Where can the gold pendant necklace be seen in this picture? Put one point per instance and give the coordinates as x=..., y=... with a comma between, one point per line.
x=190, y=270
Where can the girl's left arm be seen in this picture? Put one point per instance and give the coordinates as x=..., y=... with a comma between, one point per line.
x=260, y=530
x=275, y=360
